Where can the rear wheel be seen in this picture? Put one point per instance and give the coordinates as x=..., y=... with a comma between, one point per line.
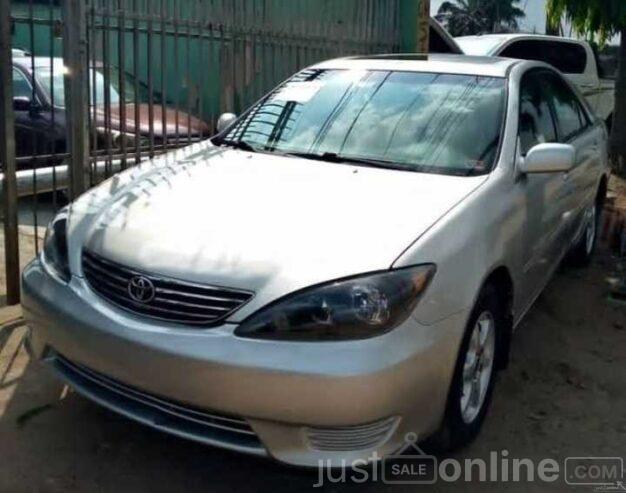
x=474, y=376
x=582, y=252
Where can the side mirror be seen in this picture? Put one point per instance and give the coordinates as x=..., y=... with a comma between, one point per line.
x=22, y=103
x=548, y=158
x=224, y=121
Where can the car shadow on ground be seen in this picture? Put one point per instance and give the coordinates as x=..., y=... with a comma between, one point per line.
x=564, y=394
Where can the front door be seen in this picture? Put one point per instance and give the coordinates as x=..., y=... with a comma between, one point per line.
x=545, y=196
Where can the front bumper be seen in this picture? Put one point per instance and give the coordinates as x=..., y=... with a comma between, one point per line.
x=299, y=398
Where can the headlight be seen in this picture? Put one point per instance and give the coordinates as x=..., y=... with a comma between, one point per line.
x=355, y=308
x=55, y=246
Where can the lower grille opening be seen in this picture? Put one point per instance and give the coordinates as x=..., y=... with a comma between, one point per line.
x=350, y=438
x=226, y=431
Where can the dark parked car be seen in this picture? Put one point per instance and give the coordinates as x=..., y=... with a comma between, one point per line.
x=40, y=123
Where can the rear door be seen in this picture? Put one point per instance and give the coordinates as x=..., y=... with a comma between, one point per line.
x=575, y=126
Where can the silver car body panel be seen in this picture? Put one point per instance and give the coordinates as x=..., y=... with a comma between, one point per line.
x=274, y=224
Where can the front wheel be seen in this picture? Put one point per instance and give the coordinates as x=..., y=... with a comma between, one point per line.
x=474, y=375
x=478, y=367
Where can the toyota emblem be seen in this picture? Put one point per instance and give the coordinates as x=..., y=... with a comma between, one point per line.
x=141, y=289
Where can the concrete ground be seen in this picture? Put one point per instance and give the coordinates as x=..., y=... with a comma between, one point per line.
x=564, y=394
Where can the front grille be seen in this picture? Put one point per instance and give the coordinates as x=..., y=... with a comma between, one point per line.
x=166, y=415
x=350, y=438
x=173, y=301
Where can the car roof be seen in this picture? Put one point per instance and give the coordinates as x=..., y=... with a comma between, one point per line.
x=38, y=61
x=437, y=63
x=509, y=36
x=25, y=62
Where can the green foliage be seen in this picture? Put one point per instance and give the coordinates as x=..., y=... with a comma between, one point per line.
x=595, y=19
x=465, y=17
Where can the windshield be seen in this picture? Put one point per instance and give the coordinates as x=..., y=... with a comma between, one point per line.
x=53, y=85
x=52, y=81
x=478, y=45
x=416, y=121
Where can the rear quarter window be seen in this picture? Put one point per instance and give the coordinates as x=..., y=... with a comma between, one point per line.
x=569, y=58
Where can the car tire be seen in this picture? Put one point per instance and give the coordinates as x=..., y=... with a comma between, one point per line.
x=582, y=252
x=462, y=423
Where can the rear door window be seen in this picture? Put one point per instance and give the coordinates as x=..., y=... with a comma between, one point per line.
x=569, y=58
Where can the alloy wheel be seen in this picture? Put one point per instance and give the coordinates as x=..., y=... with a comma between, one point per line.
x=590, y=233
x=478, y=367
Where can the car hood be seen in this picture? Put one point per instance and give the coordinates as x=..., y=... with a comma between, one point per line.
x=176, y=122
x=260, y=222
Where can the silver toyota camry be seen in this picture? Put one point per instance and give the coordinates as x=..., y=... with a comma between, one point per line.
x=340, y=266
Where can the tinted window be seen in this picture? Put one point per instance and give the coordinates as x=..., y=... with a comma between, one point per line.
x=436, y=43
x=536, y=124
x=569, y=58
x=479, y=45
x=52, y=81
x=421, y=121
x=21, y=86
x=571, y=118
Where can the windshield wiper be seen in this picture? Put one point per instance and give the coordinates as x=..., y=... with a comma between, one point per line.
x=237, y=144
x=333, y=157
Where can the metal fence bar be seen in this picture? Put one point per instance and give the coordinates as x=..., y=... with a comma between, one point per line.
x=177, y=68
x=188, y=77
x=76, y=98
x=135, y=31
x=7, y=158
x=150, y=56
x=164, y=125
x=53, y=143
x=423, y=29
x=106, y=78
x=91, y=84
x=34, y=137
x=121, y=53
